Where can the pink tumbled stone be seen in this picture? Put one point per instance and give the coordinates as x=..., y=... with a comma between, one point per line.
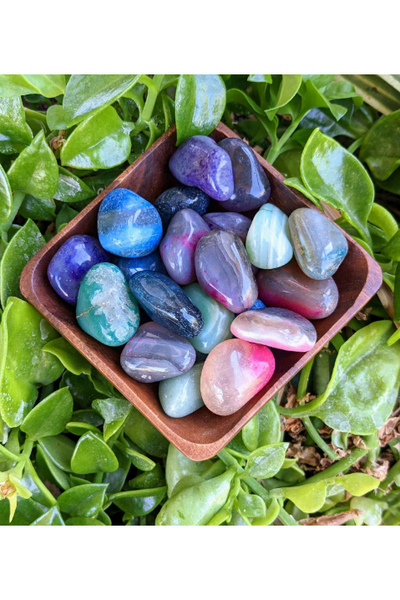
x=233, y=373
x=277, y=328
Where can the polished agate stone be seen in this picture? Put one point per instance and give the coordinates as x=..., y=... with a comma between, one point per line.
x=178, y=198
x=151, y=262
x=319, y=246
x=71, y=262
x=105, y=308
x=217, y=319
x=180, y=396
x=200, y=162
x=288, y=287
x=155, y=354
x=178, y=246
x=230, y=221
x=166, y=303
x=128, y=225
x=257, y=304
x=268, y=241
x=224, y=271
x=277, y=328
x=233, y=373
x=251, y=186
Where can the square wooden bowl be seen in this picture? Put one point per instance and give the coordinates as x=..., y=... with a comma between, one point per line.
x=202, y=434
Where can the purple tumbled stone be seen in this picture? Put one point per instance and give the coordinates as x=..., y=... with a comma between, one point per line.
x=155, y=354
x=200, y=162
x=71, y=262
x=251, y=186
x=178, y=247
x=224, y=271
x=230, y=221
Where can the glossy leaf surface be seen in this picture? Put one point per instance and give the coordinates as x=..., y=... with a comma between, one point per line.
x=15, y=134
x=381, y=146
x=92, y=455
x=83, y=500
x=50, y=416
x=18, y=85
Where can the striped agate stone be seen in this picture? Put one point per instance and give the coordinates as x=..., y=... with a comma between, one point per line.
x=128, y=225
x=230, y=221
x=277, y=328
x=288, y=287
x=224, y=272
x=155, y=354
x=268, y=241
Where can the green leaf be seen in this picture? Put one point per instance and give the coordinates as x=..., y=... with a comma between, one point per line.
x=51, y=517
x=35, y=171
x=55, y=117
x=179, y=466
x=250, y=434
x=49, y=470
x=59, y=449
x=83, y=500
x=309, y=497
x=138, y=503
x=392, y=183
x=392, y=248
x=71, y=188
x=49, y=86
x=288, y=88
x=24, y=366
x=114, y=411
x=83, y=521
x=336, y=177
x=50, y=416
x=199, y=105
x=250, y=505
x=92, y=455
x=266, y=461
x=381, y=146
x=269, y=431
x=70, y=358
x=5, y=196
x=102, y=141
x=145, y=435
x=364, y=384
x=297, y=184
x=38, y=209
x=65, y=215
x=358, y=484
x=139, y=460
x=260, y=78
x=22, y=247
x=14, y=132
x=87, y=94
x=80, y=428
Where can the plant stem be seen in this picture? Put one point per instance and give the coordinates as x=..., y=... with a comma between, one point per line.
x=392, y=473
x=28, y=447
x=313, y=433
x=339, y=467
x=304, y=378
x=39, y=483
x=257, y=488
x=337, y=341
x=286, y=519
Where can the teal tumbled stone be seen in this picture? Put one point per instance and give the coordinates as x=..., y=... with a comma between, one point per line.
x=180, y=396
x=106, y=309
x=319, y=245
x=268, y=242
x=217, y=319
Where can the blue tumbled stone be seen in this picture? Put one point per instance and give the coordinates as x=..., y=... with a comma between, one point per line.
x=71, y=262
x=179, y=197
x=257, y=304
x=151, y=262
x=166, y=303
x=128, y=225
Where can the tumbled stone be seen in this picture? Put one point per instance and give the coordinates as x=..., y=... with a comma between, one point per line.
x=288, y=287
x=277, y=328
x=180, y=396
x=166, y=303
x=128, y=225
x=233, y=373
x=155, y=354
x=257, y=304
x=178, y=246
x=251, y=186
x=71, y=262
x=319, y=245
x=268, y=241
x=217, y=319
x=106, y=309
x=224, y=271
x=230, y=221
x=151, y=262
x=179, y=197
x=200, y=162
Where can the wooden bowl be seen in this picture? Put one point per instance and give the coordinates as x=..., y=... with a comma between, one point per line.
x=202, y=434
